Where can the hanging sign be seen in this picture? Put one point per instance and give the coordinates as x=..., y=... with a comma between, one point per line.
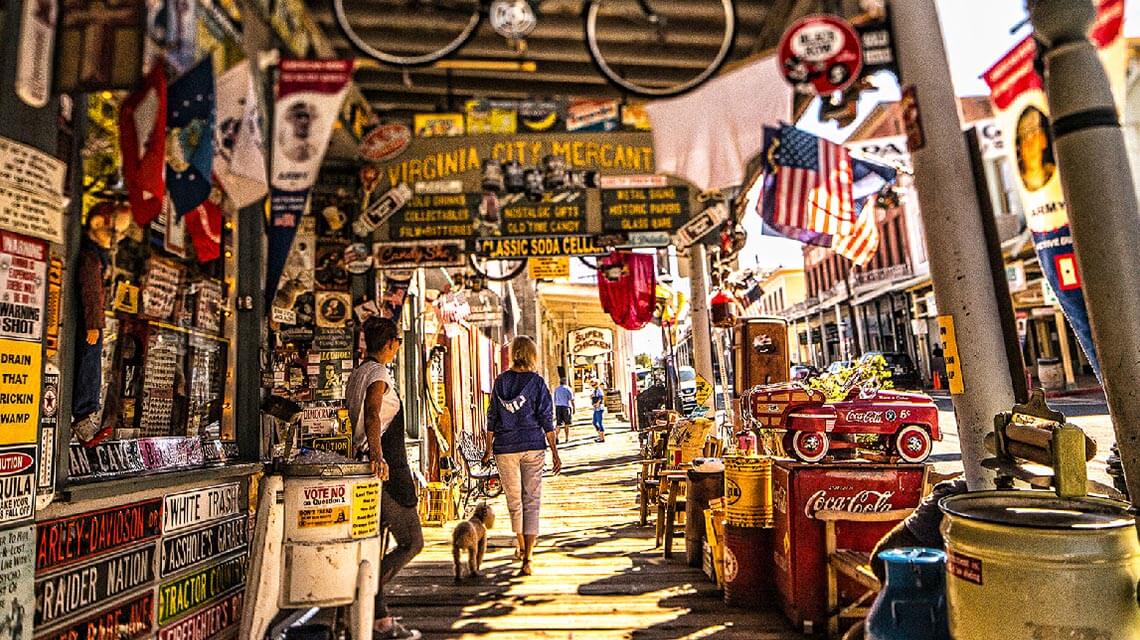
x=309, y=96
x=821, y=54
x=49, y=422
x=633, y=182
x=385, y=142
x=548, y=268
x=198, y=506
x=31, y=191
x=23, y=285
x=435, y=216
x=34, y=57
x=52, y=311
x=387, y=255
x=645, y=209
x=61, y=596
x=1017, y=91
x=17, y=483
x=556, y=214
x=209, y=622
x=20, y=377
x=591, y=341
x=131, y=620
x=509, y=248
x=17, y=580
x=89, y=535
x=201, y=545
x=701, y=225
x=912, y=119
x=192, y=591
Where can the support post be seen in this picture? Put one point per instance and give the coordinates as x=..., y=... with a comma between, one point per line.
x=702, y=327
x=1103, y=212
x=959, y=263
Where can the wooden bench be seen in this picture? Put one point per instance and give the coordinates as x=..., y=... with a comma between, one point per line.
x=854, y=565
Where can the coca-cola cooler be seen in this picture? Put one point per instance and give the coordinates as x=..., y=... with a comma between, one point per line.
x=798, y=491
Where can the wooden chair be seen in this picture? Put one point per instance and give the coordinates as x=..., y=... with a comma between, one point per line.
x=670, y=499
x=855, y=565
x=648, y=486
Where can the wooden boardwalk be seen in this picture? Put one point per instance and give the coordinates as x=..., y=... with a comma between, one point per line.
x=596, y=572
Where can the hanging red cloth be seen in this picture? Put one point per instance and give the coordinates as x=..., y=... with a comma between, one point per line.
x=142, y=140
x=627, y=284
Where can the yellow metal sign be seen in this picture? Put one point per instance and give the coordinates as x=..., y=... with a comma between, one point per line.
x=365, y=510
x=548, y=268
x=322, y=517
x=20, y=371
x=950, y=351
x=704, y=391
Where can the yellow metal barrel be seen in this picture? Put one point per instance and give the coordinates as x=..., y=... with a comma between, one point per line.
x=1023, y=565
x=748, y=491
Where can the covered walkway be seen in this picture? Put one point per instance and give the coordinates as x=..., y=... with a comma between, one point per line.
x=596, y=572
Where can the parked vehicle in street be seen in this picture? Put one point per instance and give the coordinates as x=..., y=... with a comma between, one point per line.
x=687, y=388
x=904, y=375
x=900, y=423
x=804, y=372
x=838, y=366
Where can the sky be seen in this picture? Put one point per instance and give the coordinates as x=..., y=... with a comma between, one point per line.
x=976, y=34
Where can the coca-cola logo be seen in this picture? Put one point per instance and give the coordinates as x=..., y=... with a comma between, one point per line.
x=865, y=417
x=385, y=142
x=12, y=463
x=865, y=501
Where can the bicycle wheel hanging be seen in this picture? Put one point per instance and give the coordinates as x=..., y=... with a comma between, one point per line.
x=508, y=269
x=634, y=42
x=408, y=33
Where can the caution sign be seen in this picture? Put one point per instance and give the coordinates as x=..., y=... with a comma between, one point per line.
x=549, y=268
x=507, y=248
x=23, y=284
x=950, y=349
x=704, y=391
x=20, y=371
x=366, y=510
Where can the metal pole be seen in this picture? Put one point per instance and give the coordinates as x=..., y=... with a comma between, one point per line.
x=1103, y=213
x=959, y=262
x=841, y=333
x=702, y=327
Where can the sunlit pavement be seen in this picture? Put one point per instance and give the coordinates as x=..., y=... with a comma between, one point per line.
x=596, y=572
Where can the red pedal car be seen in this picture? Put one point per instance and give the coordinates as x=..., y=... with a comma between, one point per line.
x=901, y=423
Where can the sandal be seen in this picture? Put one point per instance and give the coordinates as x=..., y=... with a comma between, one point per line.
x=525, y=570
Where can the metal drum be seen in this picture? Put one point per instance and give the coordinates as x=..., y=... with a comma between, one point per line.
x=748, y=580
x=702, y=488
x=332, y=523
x=748, y=491
x=1055, y=567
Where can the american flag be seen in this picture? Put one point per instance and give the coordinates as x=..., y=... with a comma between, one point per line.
x=813, y=184
x=861, y=245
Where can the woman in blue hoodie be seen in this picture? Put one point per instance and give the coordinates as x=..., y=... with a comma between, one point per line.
x=520, y=425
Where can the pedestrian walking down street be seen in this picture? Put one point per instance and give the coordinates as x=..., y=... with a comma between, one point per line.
x=378, y=436
x=563, y=407
x=520, y=425
x=598, y=397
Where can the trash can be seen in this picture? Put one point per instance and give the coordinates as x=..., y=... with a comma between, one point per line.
x=318, y=532
x=704, y=486
x=748, y=567
x=1055, y=567
x=1051, y=373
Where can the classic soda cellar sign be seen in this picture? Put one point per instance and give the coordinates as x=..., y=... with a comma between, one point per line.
x=649, y=209
x=506, y=248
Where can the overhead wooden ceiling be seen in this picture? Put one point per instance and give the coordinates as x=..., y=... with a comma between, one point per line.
x=562, y=66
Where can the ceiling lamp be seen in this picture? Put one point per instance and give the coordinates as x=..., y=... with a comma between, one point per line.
x=513, y=19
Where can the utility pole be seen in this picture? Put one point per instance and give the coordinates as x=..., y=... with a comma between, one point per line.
x=702, y=327
x=1103, y=215
x=959, y=262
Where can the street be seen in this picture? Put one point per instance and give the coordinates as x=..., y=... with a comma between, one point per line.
x=1090, y=413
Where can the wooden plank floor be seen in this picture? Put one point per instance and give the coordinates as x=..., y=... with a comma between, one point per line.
x=596, y=572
